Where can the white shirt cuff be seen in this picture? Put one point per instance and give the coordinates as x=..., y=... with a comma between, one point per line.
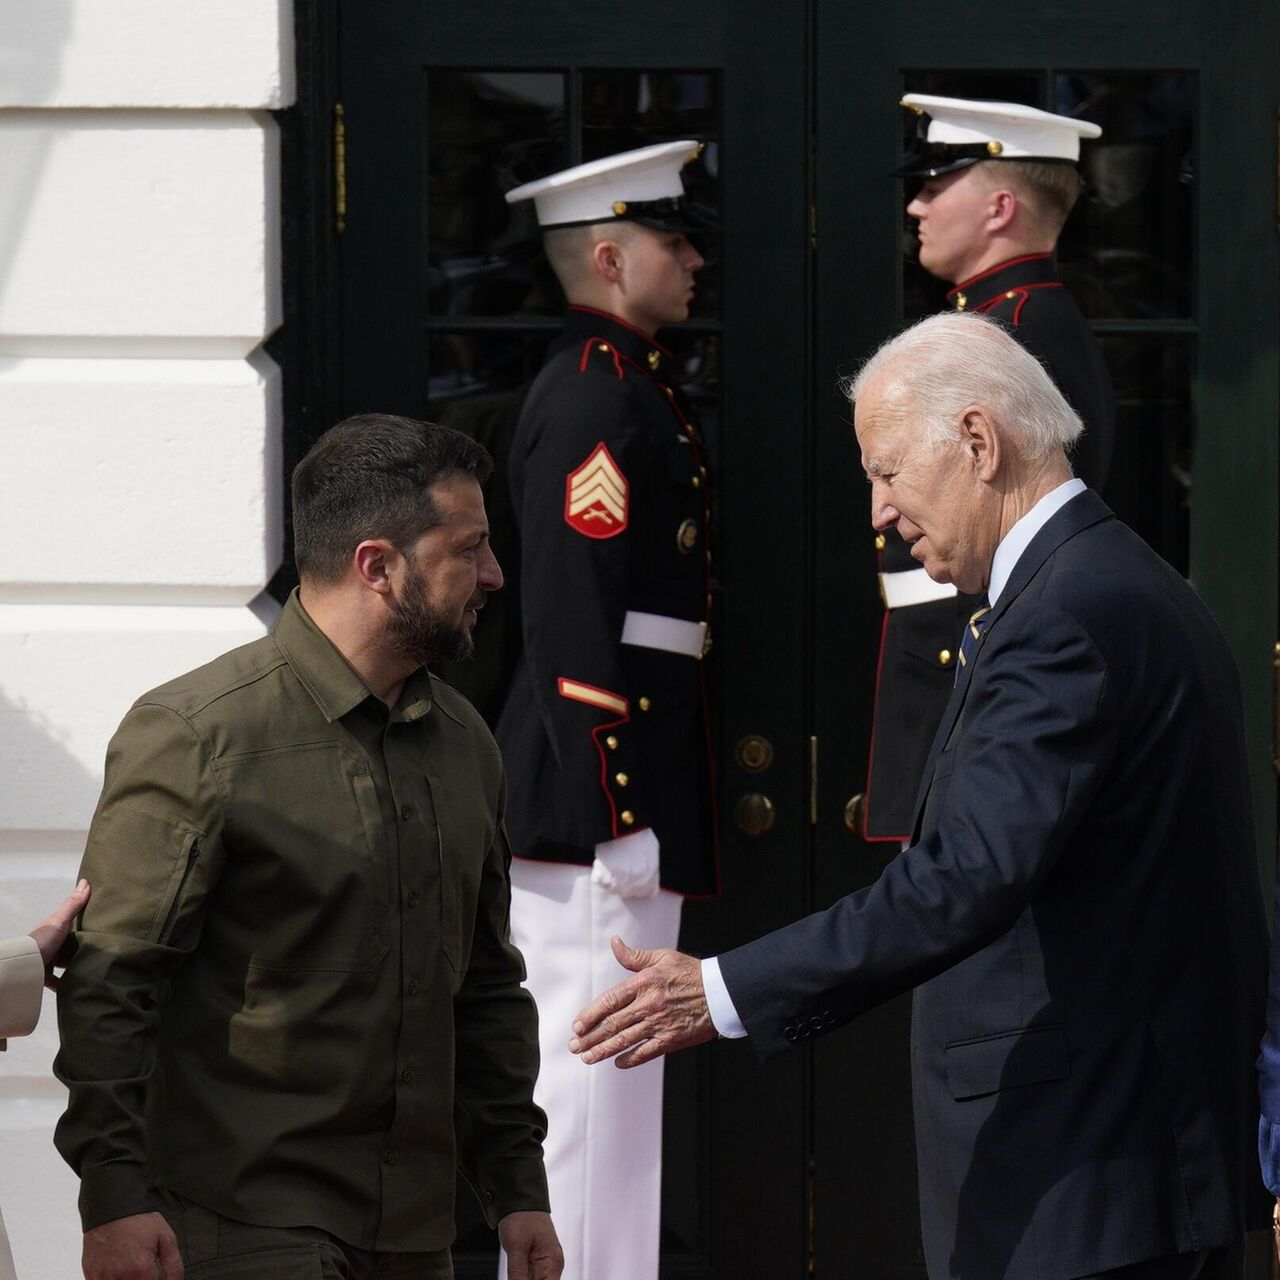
x=724, y=1016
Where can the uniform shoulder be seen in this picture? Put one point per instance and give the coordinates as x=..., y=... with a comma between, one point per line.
x=194, y=691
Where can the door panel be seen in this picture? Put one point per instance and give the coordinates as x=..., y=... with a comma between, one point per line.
x=447, y=307
x=444, y=308
x=1143, y=254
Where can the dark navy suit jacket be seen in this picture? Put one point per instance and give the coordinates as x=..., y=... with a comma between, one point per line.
x=1080, y=915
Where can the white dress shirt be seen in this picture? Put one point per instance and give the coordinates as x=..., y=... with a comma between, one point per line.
x=719, y=1003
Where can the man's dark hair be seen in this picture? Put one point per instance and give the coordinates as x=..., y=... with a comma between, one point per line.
x=368, y=477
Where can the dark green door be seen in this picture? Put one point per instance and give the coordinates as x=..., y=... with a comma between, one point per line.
x=446, y=309
x=1172, y=254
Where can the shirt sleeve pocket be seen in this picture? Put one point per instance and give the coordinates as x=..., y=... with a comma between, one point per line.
x=1033, y=1055
x=142, y=867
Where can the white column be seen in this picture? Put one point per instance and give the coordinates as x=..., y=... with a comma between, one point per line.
x=140, y=485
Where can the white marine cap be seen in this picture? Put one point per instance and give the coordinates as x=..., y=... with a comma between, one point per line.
x=962, y=131
x=637, y=186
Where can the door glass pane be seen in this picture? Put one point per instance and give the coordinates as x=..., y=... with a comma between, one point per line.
x=626, y=108
x=1126, y=250
x=487, y=132
x=1150, y=483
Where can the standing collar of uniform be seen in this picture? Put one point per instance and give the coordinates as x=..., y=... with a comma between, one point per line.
x=586, y=323
x=328, y=677
x=1028, y=268
x=1018, y=539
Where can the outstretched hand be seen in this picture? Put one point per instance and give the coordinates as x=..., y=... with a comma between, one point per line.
x=661, y=1009
x=52, y=931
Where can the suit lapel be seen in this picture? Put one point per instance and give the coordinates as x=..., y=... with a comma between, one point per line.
x=1081, y=512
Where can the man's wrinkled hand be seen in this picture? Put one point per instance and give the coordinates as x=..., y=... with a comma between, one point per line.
x=662, y=1009
x=140, y=1247
x=52, y=931
x=529, y=1241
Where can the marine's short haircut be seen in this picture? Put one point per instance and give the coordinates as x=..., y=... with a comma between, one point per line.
x=369, y=477
x=1049, y=190
x=941, y=366
x=568, y=250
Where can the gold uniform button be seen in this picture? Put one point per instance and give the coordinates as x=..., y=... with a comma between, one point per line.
x=687, y=536
x=619, y=208
x=654, y=359
x=961, y=302
x=628, y=818
x=880, y=542
x=994, y=148
x=696, y=482
x=645, y=704
x=611, y=742
x=1009, y=297
x=944, y=657
x=621, y=779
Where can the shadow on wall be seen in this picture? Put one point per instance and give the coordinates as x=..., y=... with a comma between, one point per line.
x=39, y=775
x=31, y=51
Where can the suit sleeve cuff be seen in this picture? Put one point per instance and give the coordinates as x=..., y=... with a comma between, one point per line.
x=724, y=1016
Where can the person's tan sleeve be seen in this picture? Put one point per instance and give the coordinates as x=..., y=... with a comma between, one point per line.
x=21, y=986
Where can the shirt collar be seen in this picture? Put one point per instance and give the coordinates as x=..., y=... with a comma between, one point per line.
x=1018, y=539
x=329, y=678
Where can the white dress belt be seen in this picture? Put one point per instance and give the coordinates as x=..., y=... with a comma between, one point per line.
x=674, y=635
x=912, y=586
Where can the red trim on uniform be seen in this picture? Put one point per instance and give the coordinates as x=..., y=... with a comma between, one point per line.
x=1022, y=293
x=607, y=315
x=562, y=690
x=604, y=776
x=1000, y=266
x=609, y=347
x=871, y=756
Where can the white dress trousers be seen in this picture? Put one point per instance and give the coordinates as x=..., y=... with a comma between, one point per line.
x=604, y=1125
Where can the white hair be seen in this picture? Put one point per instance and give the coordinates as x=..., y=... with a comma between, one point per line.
x=950, y=362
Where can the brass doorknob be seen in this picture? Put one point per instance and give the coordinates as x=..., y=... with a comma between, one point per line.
x=853, y=813
x=754, y=753
x=755, y=814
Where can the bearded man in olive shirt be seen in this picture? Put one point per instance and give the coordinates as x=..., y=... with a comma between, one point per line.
x=292, y=1010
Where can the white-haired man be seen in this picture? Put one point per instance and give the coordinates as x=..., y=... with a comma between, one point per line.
x=1083, y=932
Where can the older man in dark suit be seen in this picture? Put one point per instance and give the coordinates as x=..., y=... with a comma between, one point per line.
x=1078, y=911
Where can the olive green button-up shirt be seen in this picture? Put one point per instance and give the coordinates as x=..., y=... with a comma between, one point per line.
x=293, y=998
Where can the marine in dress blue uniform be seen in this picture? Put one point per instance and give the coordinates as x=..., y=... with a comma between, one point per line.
x=923, y=619
x=604, y=729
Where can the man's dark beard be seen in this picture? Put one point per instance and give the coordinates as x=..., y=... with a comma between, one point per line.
x=420, y=634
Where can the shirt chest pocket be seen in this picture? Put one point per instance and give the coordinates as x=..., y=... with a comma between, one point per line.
x=306, y=882
x=464, y=821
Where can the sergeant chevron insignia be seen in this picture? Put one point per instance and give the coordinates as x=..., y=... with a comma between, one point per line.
x=595, y=496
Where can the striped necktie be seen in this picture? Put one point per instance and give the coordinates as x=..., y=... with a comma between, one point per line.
x=973, y=630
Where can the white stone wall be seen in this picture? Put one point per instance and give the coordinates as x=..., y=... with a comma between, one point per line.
x=139, y=434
